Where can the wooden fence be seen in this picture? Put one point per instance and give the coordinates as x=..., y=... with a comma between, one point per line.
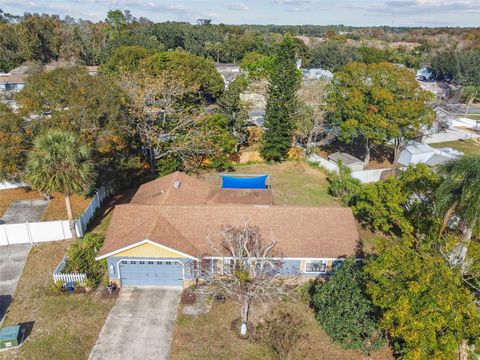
x=59, y=276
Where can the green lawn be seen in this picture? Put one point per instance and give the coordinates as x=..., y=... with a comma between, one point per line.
x=468, y=147
x=293, y=182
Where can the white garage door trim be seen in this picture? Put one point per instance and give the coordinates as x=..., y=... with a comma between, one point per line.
x=146, y=259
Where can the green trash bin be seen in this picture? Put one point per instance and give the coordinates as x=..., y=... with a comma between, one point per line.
x=9, y=337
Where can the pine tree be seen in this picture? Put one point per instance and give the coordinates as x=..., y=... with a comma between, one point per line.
x=281, y=103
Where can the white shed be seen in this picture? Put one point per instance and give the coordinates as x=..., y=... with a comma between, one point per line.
x=416, y=153
x=348, y=160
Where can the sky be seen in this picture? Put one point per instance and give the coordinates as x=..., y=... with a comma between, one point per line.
x=292, y=12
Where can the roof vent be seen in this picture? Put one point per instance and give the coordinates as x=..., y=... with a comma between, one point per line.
x=177, y=184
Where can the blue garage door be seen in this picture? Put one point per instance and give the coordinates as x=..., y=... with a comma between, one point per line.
x=151, y=272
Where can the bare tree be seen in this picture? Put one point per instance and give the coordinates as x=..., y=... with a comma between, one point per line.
x=164, y=120
x=310, y=127
x=154, y=101
x=250, y=269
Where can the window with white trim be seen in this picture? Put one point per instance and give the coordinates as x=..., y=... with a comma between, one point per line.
x=228, y=265
x=315, y=266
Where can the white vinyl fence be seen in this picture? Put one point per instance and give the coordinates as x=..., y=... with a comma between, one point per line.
x=36, y=232
x=89, y=212
x=59, y=276
x=326, y=164
x=5, y=185
x=365, y=176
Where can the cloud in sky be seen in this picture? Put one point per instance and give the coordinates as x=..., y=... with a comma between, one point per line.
x=238, y=6
x=322, y=12
x=416, y=7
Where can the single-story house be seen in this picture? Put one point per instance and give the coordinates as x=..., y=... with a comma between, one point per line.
x=161, y=236
x=229, y=72
x=348, y=160
x=425, y=74
x=317, y=74
x=256, y=116
x=416, y=153
x=11, y=82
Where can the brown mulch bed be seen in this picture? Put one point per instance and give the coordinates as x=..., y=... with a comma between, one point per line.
x=188, y=297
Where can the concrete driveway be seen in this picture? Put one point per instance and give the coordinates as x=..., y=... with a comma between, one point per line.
x=24, y=210
x=139, y=325
x=12, y=260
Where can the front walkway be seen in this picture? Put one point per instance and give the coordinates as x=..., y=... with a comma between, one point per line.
x=139, y=326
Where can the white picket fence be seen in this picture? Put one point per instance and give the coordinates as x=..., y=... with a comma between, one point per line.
x=36, y=232
x=59, y=276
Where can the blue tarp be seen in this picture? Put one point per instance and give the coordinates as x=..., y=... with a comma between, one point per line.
x=254, y=182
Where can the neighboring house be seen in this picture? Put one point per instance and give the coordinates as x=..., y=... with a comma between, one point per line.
x=229, y=72
x=317, y=74
x=12, y=82
x=416, y=153
x=348, y=160
x=161, y=236
x=256, y=116
x=425, y=74
x=92, y=70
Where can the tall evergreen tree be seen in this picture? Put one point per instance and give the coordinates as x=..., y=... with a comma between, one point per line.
x=281, y=103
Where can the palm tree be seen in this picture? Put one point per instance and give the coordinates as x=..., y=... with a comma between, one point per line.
x=459, y=194
x=60, y=163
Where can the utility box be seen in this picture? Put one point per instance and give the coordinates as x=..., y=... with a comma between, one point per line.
x=9, y=337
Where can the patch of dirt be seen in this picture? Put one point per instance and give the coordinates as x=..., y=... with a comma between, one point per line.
x=188, y=297
x=102, y=293
x=381, y=156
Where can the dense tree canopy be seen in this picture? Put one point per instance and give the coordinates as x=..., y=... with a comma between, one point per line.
x=371, y=104
x=92, y=107
x=15, y=139
x=427, y=311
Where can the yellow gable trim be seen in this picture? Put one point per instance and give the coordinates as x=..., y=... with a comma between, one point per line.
x=150, y=251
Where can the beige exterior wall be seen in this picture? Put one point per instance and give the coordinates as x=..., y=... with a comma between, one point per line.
x=150, y=251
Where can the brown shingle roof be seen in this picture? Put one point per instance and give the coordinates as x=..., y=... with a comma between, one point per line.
x=12, y=79
x=305, y=232
x=182, y=189
x=241, y=196
x=174, y=189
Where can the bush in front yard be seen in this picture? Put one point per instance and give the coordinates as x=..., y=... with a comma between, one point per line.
x=284, y=332
x=345, y=310
x=81, y=258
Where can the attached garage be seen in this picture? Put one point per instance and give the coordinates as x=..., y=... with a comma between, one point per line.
x=151, y=272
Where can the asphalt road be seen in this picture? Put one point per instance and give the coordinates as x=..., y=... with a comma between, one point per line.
x=139, y=326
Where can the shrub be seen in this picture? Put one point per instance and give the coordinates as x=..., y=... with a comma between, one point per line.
x=284, y=332
x=343, y=186
x=345, y=311
x=381, y=206
x=81, y=258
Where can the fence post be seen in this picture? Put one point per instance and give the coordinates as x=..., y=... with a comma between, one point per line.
x=6, y=235
x=29, y=234
x=98, y=201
